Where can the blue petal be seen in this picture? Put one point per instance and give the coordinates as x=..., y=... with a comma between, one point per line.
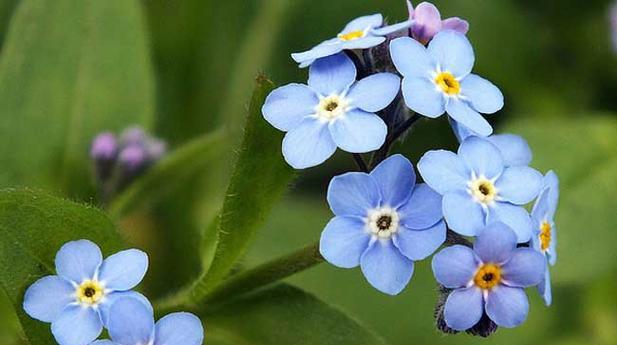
x=111, y=298
x=507, y=306
x=308, y=145
x=385, y=268
x=76, y=325
x=519, y=185
x=421, y=96
x=324, y=49
x=515, y=217
x=353, y=194
x=396, y=178
x=453, y=52
x=179, y=329
x=482, y=94
x=552, y=247
x=364, y=42
x=551, y=181
x=131, y=322
x=390, y=29
x=461, y=112
x=286, y=106
x=332, y=74
x=359, y=131
x=423, y=209
x=343, y=241
x=524, y=269
x=455, y=266
x=444, y=171
x=495, y=244
x=481, y=157
x=464, y=308
x=411, y=58
x=47, y=297
x=78, y=260
x=514, y=149
x=124, y=270
x=544, y=288
x=463, y=214
x=419, y=244
x=363, y=23
x=540, y=211
x=461, y=132
x=104, y=342
x=374, y=92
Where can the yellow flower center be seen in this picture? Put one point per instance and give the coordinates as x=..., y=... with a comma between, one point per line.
x=483, y=190
x=90, y=292
x=487, y=276
x=350, y=36
x=447, y=83
x=331, y=107
x=545, y=235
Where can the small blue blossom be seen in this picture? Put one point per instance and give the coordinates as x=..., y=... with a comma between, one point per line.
x=132, y=323
x=438, y=79
x=76, y=301
x=479, y=189
x=361, y=33
x=332, y=111
x=383, y=222
x=544, y=238
x=488, y=279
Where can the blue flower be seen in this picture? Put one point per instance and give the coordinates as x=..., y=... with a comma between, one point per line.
x=490, y=278
x=544, y=238
x=437, y=79
x=332, y=110
x=361, y=33
x=132, y=323
x=383, y=222
x=514, y=149
x=479, y=189
x=76, y=301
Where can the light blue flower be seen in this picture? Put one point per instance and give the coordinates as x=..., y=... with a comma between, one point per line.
x=438, y=79
x=544, y=237
x=332, y=111
x=76, y=301
x=383, y=222
x=488, y=279
x=478, y=188
x=132, y=323
x=361, y=33
x=514, y=149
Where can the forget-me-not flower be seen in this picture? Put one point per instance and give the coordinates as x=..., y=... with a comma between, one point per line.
x=479, y=189
x=426, y=22
x=490, y=278
x=332, y=111
x=438, y=79
x=544, y=237
x=361, y=33
x=76, y=301
x=383, y=222
x=132, y=323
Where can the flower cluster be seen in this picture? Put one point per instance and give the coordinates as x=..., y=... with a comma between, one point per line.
x=89, y=294
x=474, y=201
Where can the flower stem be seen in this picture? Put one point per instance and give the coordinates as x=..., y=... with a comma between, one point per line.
x=360, y=162
x=393, y=137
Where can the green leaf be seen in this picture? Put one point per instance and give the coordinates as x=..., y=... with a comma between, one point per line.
x=582, y=152
x=34, y=226
x=69, y=69
x=284, y=315
x=259, y=179
x=173, y=170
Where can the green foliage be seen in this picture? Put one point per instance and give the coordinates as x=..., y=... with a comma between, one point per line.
x=34, y=226
x=69, y=69
x=259, y=179
x=284, y=315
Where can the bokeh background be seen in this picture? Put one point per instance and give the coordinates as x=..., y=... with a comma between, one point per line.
x=554, y=62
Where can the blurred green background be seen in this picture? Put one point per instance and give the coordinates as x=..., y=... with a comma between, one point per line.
x=553, y=60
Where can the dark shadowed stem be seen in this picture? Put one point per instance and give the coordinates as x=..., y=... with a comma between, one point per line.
x=453, y=238
x=357, y=61
x=360, y=162
x=392, y=138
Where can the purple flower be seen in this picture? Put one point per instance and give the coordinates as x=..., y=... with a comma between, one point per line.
x=383, y=223
x=104, y=147
x=426, y=22
x=490, y=278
